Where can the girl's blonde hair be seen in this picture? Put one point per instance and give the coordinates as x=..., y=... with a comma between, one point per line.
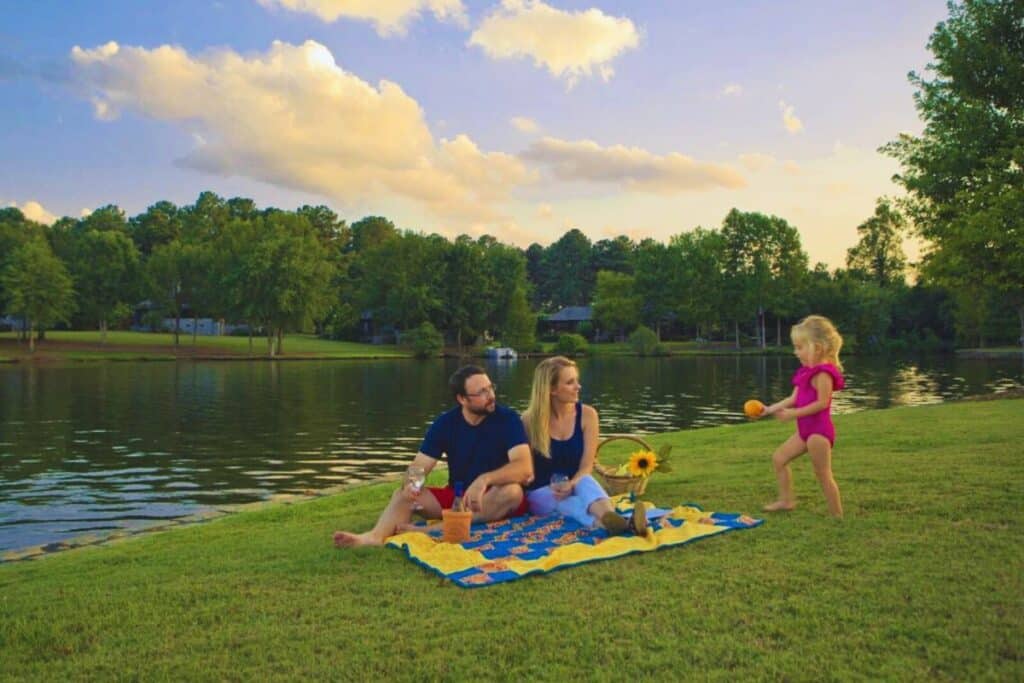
x=537, y=416
x=819, y=331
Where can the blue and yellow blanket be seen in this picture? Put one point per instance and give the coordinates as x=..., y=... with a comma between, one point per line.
x=517, y=547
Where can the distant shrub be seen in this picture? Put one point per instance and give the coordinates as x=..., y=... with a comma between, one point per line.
x=586, y=328
x=571, y=345
x=425, y=341
x=643, y=341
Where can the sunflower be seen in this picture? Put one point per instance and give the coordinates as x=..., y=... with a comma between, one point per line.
x=642, y=463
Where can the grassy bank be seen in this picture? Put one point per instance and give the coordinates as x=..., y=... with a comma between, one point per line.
x=86, y=345
x=921, y=581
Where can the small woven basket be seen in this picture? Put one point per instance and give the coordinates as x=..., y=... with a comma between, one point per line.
x=621, y=483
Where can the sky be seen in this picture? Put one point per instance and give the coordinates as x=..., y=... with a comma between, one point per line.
x=515, y=118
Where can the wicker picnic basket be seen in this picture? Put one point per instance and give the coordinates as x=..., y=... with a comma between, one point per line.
x=620, y=483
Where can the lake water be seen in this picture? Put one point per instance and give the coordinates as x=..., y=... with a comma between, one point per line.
x=95, y=447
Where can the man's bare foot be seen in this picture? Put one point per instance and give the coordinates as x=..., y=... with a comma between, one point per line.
x=779, y=506
x=346, y=539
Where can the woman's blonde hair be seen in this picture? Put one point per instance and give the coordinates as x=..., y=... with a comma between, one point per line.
x=819, y=331
x=537, y=416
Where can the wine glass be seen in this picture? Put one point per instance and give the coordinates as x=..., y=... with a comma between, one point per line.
x=415, y=477
x=560, y=482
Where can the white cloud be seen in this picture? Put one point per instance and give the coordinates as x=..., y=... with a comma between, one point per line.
x=34, y=211
x=545, y=211
x=293, y=118
x=389, y=17
x=568, y=44
x=85, y=213
x=630, y=167
x=755, y=161
x=792, y=168
x=732, y=90
x=789, y=118
x=524, y=124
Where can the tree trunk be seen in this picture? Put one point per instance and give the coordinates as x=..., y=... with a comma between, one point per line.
x=195, y=328
x=737, y=329
x=280, y=340
x=270, y=343
x=177, y=326
x=778, y=331
x=103, y=332
x=250, y=326
x=31, y=338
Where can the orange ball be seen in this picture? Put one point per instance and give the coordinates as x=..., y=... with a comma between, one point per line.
x=753, y=408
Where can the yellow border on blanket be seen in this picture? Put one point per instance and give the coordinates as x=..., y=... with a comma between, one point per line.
x=450, y=558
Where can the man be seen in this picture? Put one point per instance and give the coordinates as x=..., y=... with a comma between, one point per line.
x=488, y=452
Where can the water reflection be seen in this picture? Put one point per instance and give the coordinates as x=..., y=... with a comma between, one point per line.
x=97, y=447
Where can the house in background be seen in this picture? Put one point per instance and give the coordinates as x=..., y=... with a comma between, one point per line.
x=568, y=319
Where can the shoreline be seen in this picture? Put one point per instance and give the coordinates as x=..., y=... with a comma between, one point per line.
x=40, y=551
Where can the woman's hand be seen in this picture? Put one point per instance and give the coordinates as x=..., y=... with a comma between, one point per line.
x=564, y=490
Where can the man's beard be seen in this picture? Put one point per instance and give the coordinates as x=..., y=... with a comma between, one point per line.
x=483, y=412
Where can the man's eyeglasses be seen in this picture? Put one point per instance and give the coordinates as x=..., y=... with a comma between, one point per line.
x=491, y=390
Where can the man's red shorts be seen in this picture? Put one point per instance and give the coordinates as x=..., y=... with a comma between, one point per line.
x=446, y=497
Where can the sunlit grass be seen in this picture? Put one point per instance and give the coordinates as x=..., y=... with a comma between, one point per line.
x=921, y=581
x=294, y=344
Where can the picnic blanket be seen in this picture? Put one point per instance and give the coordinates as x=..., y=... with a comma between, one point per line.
x=521, y=546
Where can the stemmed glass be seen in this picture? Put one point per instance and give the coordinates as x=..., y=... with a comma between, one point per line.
x=415, y=477
x=559, y=482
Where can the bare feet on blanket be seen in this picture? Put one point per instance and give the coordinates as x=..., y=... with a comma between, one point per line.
x=779, y=506
x=346, y=539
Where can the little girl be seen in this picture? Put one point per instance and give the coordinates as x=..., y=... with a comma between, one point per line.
x=816, y=342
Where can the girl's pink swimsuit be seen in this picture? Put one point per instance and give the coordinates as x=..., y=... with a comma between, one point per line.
x=820, y=422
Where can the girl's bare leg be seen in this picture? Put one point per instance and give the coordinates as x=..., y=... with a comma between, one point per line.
x=820, y=451
x=791, y=448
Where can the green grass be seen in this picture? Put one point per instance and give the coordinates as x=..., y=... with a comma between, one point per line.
x=921, y=581
x=294, y=345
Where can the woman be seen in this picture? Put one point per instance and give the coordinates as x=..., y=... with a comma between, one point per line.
x=563, y=437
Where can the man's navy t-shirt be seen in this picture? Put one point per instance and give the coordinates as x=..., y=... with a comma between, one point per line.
x=474, y=450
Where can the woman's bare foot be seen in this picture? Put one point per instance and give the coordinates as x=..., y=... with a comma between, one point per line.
x=346, y=539
x=779, y=506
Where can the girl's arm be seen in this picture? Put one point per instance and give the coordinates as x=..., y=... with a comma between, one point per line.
x=781, y=405
x=822, y=382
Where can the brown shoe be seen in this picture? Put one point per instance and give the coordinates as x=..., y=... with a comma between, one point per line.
x=614, y=523
x=638, y=521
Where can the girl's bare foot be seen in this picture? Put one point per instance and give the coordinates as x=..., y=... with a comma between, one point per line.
x=779, y=506
x=346, y=539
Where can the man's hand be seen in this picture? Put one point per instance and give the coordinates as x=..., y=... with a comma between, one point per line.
x=475, y=494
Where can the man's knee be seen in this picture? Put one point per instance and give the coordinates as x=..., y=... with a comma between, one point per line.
x=500, y=500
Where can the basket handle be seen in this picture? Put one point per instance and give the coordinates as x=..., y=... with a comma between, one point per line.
x=624, y=437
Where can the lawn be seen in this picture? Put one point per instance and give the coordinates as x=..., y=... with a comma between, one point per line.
x=921, y=581
x=85, y=345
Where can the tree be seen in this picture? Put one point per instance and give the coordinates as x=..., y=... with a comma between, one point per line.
x=15, y=230
x=466, y=305
x=878, y=254
x=160, y=224
x=696, y=284
x=654, y=265
x=105, y=266
x=616, y=305
x=615, y=255
x=566, y=275
x=965, y=173
x=37, y=287
x=763, y=265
